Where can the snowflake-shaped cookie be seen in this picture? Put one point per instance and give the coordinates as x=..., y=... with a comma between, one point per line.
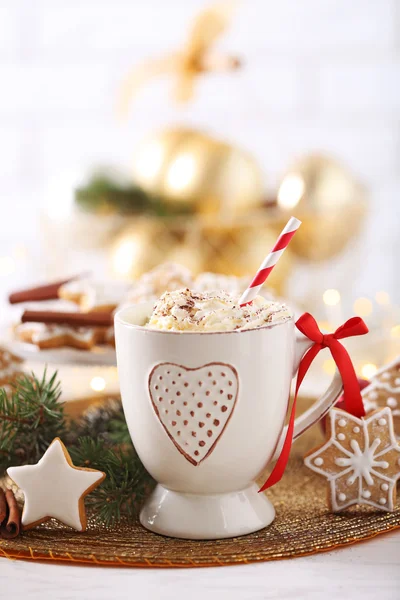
x=384, y=390
x=360, y=460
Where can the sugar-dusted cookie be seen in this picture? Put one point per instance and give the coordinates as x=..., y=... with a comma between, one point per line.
x=10, y=368
x=55, y=488
x=384, y=390
x=93, y=295
x=46, y=336
x=72, y=328
x=109, y=336
x=360, y=460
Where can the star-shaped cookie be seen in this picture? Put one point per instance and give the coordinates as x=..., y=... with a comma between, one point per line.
x=384, y=390
x=360, y=460
x=55, y=488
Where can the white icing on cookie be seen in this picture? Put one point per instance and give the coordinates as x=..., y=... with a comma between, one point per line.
x=93, y=294
x=41, y=332
x=384, y=390
x=363, y=463
x=381, y=380
x=50, y=332
x=53, y=487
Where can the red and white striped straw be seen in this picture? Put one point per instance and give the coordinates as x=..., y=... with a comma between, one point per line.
x=270, y=261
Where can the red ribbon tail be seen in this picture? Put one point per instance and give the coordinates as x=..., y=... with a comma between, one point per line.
x=352, y=396
x=280, y=466
x=351, y=389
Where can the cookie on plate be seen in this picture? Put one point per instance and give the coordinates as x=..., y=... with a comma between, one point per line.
x=46, y=336
x=92, y=295
x=10, y=368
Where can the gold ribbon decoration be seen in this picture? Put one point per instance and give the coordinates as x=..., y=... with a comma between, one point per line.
x=185, y=65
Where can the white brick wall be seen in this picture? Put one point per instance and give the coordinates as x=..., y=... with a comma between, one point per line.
x=320, y=74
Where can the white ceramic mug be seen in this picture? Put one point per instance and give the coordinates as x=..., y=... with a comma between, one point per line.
x=206, y=414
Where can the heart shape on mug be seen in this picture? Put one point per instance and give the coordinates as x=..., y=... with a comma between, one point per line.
x=194, y=405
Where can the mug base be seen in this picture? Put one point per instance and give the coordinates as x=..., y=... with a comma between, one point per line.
x=206, y=517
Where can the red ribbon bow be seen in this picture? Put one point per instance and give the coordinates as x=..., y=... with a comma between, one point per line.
x=351, y=389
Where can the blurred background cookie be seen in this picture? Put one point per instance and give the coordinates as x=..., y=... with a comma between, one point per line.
x=384, y=390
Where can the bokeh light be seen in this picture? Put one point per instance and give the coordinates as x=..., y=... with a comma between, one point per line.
x=331, y=297
x=363, y=307
x=382, y=298
x=98, y=384
x=368, y=370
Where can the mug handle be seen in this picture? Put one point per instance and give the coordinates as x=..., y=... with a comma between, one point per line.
x=320, y=407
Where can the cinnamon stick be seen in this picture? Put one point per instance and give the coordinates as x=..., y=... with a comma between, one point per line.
x=11, y=526
x=93, y=319
x=3, y=506
x=40, y=292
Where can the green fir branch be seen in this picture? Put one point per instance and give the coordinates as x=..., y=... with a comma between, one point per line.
x=32, y=416
x=127, y=483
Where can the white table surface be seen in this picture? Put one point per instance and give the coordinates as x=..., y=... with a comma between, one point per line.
x=368, y=571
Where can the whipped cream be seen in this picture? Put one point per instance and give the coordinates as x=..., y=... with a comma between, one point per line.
x=168, y=276
x=185, y=310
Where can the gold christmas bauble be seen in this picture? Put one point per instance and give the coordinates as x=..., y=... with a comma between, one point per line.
x=237, y=248
x=188, y=254
x=240, y=248
x=189, y=168
x=140, y=246
x=330, y=202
